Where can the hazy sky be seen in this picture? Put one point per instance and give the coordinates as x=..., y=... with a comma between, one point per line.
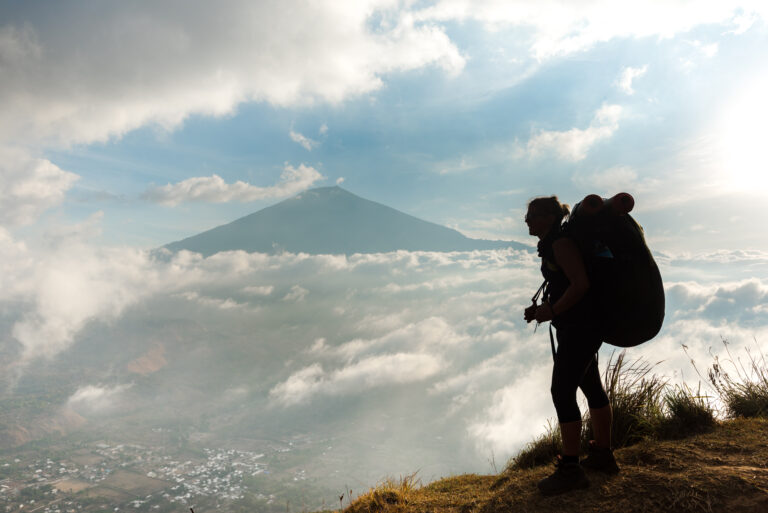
x=128, y=125
x=167, y=118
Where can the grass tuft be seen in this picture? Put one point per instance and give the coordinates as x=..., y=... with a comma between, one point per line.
x=636, y=398
x=540, y=451
x=687, y=413
x=390, y=495
x=744, y=394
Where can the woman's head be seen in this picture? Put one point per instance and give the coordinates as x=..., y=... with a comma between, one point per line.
x=544, y=213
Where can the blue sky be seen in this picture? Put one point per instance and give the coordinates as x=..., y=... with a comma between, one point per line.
x=438, y=112
x=125, y=126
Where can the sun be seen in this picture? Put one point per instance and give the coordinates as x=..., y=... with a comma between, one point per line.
x=744, y=138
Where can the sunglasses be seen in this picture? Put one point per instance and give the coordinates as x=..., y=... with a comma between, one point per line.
x=530, y=216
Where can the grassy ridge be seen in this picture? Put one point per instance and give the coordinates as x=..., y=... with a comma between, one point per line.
x=674, y=453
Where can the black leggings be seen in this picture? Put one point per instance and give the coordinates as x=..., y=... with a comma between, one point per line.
x=576, y=367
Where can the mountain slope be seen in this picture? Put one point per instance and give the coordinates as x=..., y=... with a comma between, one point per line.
x=332, y=220
x=725, y=470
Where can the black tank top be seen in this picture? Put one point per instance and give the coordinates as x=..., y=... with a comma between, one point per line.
x=558, y=283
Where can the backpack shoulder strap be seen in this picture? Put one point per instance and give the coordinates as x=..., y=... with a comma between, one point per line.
x=552, y=341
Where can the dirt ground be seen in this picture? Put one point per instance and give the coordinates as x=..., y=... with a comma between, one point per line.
x=72, y=485
x=86, y=458
x=133, y=483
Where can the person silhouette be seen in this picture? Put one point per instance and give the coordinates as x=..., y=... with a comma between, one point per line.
x=568, y=304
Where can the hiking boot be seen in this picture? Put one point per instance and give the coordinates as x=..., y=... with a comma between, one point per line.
x=600, y=459
x=567, y=477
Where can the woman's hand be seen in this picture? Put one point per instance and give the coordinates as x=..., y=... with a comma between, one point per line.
x=530, y=313
x=544, y=313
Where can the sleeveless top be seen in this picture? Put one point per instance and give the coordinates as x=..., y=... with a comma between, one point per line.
x=558, y=283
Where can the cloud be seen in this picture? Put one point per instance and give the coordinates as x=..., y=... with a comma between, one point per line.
x=385, y=369
x=29, y=186
x=18, y=44
x=214, y=189
x=496, y=228
x=305, y=142
x=437, y=333
x=723, y=256
x=560, y=27
x=58, y=234
x=574, y=144
x=372, y=372
x=259, y=290
x=318, y=346
x=688, y=346
x=435, y=284
x=744, y=22
x=299, y=386
x=612, y=180
x=71, y=286
x=56, y=293
x=628, y=75
x=475, y=377
x=449, y=167
x=423, y=335
x=235, y=393
x=736, y=302
x=214, y=302
x=97, y=399
x=323, y=129
x=296, y=294
x=513, y=418
x=73, y=74
x=707, y=50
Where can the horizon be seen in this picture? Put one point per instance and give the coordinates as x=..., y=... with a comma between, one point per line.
x=126, y=127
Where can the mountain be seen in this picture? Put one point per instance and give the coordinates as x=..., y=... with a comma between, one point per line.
x=331, y=220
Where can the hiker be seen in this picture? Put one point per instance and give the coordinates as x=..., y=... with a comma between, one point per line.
x=569, y=305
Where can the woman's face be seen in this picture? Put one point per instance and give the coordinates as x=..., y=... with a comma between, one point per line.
x=538, y=222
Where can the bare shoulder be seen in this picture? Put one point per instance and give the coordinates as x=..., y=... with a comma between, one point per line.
x=565, y=249
x=568, y=257
x=564, y=244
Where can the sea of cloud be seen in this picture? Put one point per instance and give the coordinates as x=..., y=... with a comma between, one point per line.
x=410, y=331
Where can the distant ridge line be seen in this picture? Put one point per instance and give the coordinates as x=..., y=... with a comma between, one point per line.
x=332, y=220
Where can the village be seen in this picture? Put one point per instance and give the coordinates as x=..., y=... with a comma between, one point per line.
x=133, y=477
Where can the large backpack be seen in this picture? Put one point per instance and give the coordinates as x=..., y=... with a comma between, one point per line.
x=624, y=279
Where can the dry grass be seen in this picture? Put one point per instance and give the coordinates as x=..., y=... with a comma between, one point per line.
x=687, y=413
x=636, y=397
x=540, y=451
x=723, y=470
x=745, y=392
x=389, y=495
x=460, y=494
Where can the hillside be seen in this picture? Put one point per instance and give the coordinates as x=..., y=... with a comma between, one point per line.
x=723, y=470
x=331, y=220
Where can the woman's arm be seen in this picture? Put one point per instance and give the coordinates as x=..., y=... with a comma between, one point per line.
x=568, y=257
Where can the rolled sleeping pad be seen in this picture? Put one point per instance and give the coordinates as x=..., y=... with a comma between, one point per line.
x=621, y=204
x=590, y=205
